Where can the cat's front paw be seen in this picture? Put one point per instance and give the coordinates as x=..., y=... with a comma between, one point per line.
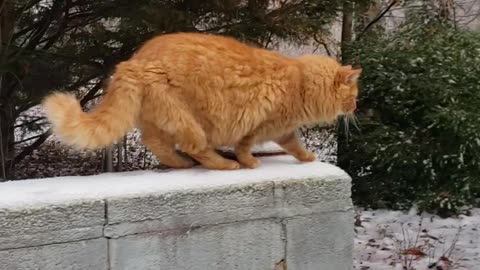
x=229, y=165
x=248, y=160
x=250, y=163
x=306, y=157
x=224, y=164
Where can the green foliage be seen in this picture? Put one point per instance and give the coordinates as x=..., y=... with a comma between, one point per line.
x=419, y=108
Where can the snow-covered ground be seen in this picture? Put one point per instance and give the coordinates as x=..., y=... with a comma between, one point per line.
x=393, y=240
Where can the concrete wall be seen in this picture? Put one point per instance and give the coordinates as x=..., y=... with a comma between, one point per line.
x=282, y=214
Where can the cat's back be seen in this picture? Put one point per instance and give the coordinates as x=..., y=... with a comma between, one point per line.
x=205, y=62
x=194, y=45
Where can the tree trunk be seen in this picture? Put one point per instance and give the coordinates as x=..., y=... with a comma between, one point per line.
x=7, y=110
x=108, y=159
x=446, y=10
x=7, y=139
x=125, y=149
x=347, y=28
x=347, y=36
x=119, y=157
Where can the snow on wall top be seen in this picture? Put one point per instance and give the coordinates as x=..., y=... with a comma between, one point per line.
x=28, y=193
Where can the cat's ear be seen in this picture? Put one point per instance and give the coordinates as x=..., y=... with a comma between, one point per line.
x=352, y=78
x=348, y=76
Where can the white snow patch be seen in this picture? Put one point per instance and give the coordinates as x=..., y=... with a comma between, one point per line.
x=67, y=189
x=384, y=235
x=267, y=147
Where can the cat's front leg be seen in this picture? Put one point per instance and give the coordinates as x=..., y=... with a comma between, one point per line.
x=291, y=143
x=243, y=151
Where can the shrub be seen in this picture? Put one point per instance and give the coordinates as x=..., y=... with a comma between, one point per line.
x=419, y=109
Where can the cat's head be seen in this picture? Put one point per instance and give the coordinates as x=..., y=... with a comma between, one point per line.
x=346, y=88
x=342, y=83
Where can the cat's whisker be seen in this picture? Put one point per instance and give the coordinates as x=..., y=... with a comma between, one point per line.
x=346, y=127
x=354, y=120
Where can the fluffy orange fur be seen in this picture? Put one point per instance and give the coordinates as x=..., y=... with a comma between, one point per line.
x=199, y=92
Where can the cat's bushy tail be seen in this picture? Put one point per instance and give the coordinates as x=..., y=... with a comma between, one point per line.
x=111, y=119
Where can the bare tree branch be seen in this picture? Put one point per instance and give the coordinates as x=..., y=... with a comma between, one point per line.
x=29, y=122
x=28, y=139
x=323, y=43
x=29, y=149
x=377, y=18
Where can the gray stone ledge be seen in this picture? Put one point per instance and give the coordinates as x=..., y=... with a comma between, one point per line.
x=82, y=255
x=238, y=246
x=320, y=241
x=270, y=199
x=32, y=226
x=246, y=219
x=181, y=204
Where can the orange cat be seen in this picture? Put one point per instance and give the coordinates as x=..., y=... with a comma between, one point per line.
x=202, y=91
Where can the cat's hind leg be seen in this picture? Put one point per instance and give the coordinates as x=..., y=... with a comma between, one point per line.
x=179, y=122
x=162, y=146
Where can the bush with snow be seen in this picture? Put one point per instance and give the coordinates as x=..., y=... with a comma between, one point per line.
x=420, y=118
